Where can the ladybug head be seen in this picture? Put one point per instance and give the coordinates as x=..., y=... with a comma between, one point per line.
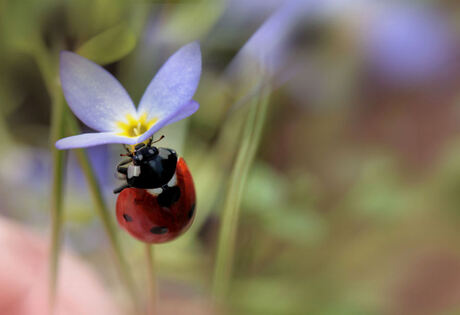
x=143, y=152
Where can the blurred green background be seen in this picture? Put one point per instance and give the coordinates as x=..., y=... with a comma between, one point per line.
x=352, y=205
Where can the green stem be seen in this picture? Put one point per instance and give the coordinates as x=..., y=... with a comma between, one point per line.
x=103, y=212
x=56, y=222
x=151, y=279
x=229, y=219
x=57, y=131
x=47, y=68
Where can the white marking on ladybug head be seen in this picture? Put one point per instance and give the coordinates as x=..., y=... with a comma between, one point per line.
x=140, y=157
x=134, y=171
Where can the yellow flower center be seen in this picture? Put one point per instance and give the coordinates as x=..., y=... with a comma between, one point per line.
x=134, y=127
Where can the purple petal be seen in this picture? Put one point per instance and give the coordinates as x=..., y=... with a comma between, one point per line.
x=93, y=94
x=181, y=113
x=187, y=110
x=92, y=139
x=266, y=48
x=174, y=85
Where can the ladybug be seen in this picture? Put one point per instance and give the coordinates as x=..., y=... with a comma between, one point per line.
x=148, y=167
x=157, y=202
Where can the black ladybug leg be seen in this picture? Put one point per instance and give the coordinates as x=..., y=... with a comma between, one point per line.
x=128, y=151
x=119, y=189
x=123, y=169
x=139, y=146
x=124, y=162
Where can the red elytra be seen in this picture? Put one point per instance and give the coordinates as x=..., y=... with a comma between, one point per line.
x=140, y=213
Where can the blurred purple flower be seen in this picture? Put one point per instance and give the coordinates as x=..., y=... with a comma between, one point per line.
x=267, y=47
x=101, y=102
x=409, y=44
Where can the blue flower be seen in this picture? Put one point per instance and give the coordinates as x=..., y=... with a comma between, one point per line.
x=267, y=48
x=101, y=102
x=410, y=44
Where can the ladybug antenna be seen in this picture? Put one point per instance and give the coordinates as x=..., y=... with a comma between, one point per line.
x=161, y=138
x=128, y=151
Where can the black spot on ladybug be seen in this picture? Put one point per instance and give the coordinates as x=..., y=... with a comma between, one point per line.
x=168, y=196
x=191, y=211
x=159, y=230
x=127, y=218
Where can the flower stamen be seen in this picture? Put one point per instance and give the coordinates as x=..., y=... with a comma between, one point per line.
x=134, y=127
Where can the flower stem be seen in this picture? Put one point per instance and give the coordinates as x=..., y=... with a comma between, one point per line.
x=60, y=117
x=47, y=68
x=103, y=212
x=57, y=131
x=151, y=279
x=229, y=219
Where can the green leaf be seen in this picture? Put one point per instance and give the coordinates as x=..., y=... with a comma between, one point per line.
x=246, y=154
x=110, y=45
